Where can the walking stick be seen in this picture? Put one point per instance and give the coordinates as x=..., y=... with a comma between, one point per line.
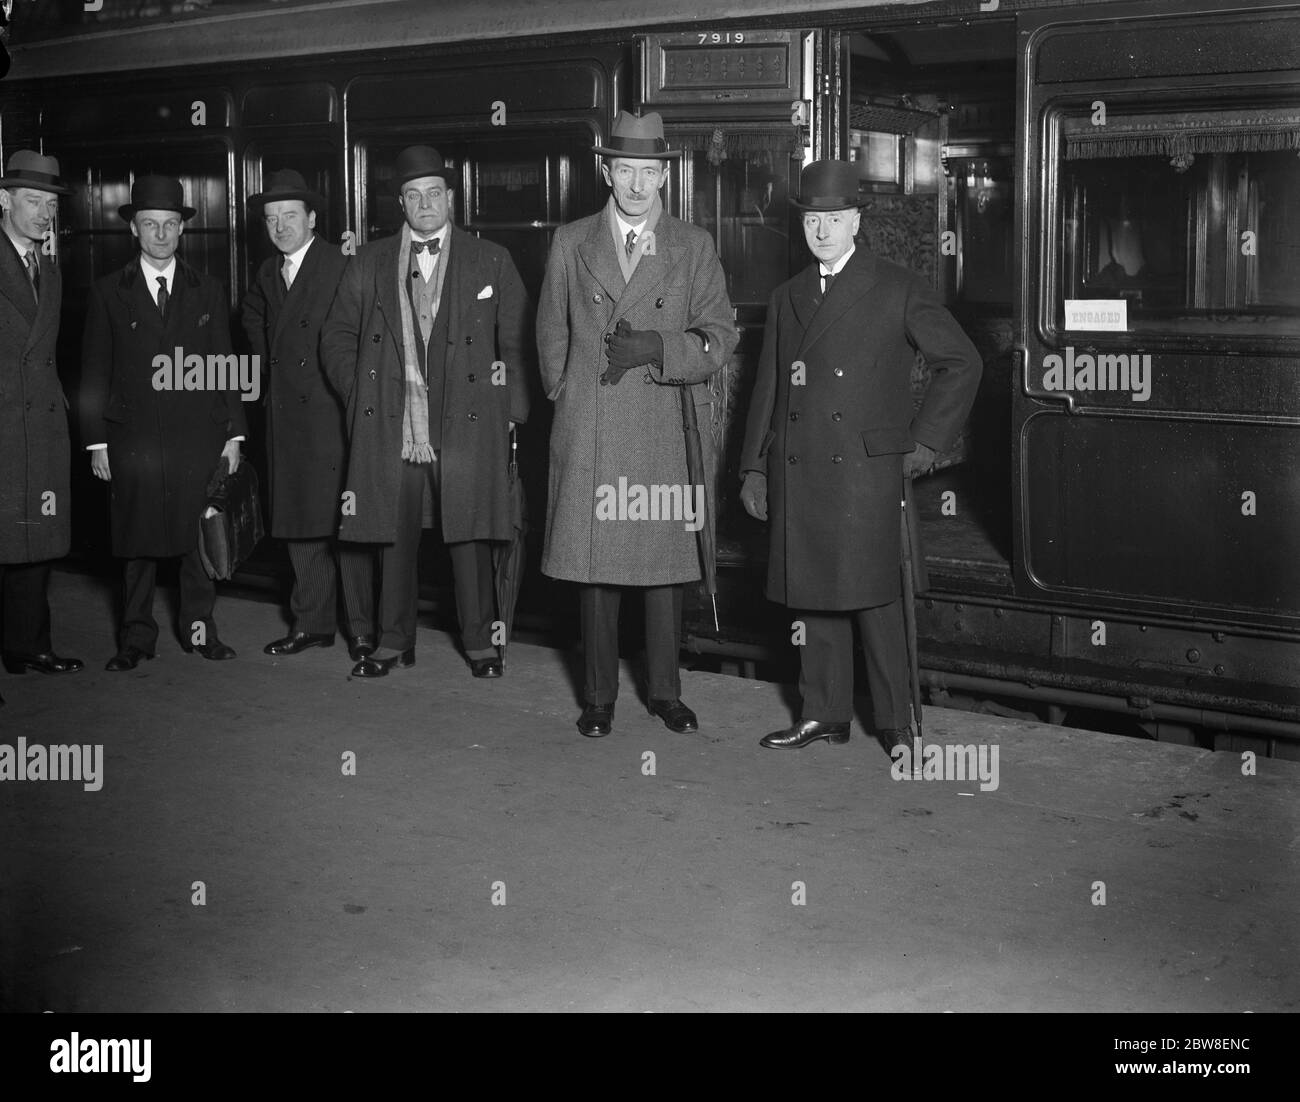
x=909, y=519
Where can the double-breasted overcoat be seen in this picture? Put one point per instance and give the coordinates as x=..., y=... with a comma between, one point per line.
x=163, y=444
x=631, y=431
x=306, y=439
x=831, y=418
x=35, y=500
x=489, y=358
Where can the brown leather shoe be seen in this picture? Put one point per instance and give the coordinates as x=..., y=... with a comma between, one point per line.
x=804, y=732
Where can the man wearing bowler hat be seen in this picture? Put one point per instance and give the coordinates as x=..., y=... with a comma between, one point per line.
x=156, y=445
x=306, y=440
x=830, y=436
x=429, y=342
x=35, y=503
x=634, y=308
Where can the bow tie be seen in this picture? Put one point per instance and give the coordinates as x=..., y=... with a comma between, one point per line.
x=433, y=245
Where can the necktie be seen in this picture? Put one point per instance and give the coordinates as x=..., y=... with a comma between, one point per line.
x=162, y=295
x=829, y=278
x=433, y=245
x=286, y=273
x=34, y=272
x=631, y=241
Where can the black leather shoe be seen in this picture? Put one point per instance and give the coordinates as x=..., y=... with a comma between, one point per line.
x=486, y=667
x=676, y=716
x=41, y=663
x=214, y=650
x=127, y=659
x=804, y=732
x=299, y=641
x=361, y=646
x=897, y=736
x=370, y=666
x=596, y=720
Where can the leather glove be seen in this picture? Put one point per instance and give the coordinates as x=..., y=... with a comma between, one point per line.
x=919, y=461
x=753, y=494
x=629, y=348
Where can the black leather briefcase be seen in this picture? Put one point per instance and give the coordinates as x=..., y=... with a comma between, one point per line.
x=228, y=537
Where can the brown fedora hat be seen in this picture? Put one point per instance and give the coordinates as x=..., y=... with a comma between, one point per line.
x=828, y=185
x=419, y=160
x=30, y=169
x=287, y=184
x=638, y=137
x=156, y=193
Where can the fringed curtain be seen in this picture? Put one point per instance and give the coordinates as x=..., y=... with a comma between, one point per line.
x=1183, y=133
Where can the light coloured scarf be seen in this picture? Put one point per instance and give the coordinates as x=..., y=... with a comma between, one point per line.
x=415, y=415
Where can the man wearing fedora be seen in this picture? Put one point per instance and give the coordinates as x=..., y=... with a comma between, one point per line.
x=429, y=341
x=634, y=307
x=831, y=434
x=157, y=447
x=35, y=501
x=306, y=440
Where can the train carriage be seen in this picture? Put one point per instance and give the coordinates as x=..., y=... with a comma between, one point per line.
x=1105, y=193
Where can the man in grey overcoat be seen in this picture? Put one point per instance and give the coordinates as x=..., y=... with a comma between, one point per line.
x=830, y=436
x=306, y=439
x=35, y=503
x=633, y=308
x=430, y=343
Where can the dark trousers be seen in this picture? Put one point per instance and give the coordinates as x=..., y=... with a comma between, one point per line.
x=471, y=565
x=318, y=567
x=598, y=607
x=25, y=607
x=826, y=665
x=198, y=596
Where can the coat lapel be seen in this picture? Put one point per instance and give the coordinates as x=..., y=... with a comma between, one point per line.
x=47, y=313
x=597, y=254
x=846, y=293
x=386, y=285
x=290, y=300
x=653, y=268
x=134, y=294
x=14, y=283
x=464, y=281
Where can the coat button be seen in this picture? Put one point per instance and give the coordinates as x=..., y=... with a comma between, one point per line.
x=302, y=398
x=837, y=416
x=373, y=374
x=469, y=340
x=839, y=371
x=659, y=304
x=793, y=459
x=274, y=360
x=370, y=411
x=302, y=324
x=794, y=415
x=302, y=363
x=376, y=338
x=473, y=416
x=471, y=376
x=837, y=459
x=597, y=297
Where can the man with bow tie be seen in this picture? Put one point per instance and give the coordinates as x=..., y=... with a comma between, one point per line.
x=430, y=343
x=830, y=436
x=306, y=439
x=158, y=447
x=35, y=502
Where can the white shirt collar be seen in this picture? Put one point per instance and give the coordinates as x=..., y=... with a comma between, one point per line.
x=295, y=258
x=151, y=275
x=624, y=227
x=838, y=266
x=440, y=237
x=23, y=247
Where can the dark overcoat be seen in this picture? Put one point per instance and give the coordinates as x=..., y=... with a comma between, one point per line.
x=163, y=445
x=633, y=430
x=35, y=500
x=833, y=447
x=489, y=321
x=306, y=440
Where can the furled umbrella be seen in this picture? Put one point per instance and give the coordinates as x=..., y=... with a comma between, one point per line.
x=915, y=579
x=697, y=473
x=508, y=556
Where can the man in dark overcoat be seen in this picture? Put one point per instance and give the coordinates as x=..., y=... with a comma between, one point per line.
x=35, y=503
x=634, y=308
x=306, y=439
x=830, y=436
x=430, y=343
x=157, y=438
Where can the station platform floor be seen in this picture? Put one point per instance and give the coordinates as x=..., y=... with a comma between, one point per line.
x=485, y=856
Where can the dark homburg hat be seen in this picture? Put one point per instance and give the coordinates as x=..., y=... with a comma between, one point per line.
x=287, y=184
x=638, y=137
x=419, y=160
x=156, y=193
x=828, y=185
x=31, y=170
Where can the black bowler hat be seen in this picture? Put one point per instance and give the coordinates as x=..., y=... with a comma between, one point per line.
x=828, y=185
x=638, y=137
x=156, y=193
x=30, y=169
x=287, y=184
x=419, y=160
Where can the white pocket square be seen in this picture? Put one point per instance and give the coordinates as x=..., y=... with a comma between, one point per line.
x=485, y=293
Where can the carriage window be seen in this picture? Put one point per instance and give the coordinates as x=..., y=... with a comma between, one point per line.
x=1191, y=218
